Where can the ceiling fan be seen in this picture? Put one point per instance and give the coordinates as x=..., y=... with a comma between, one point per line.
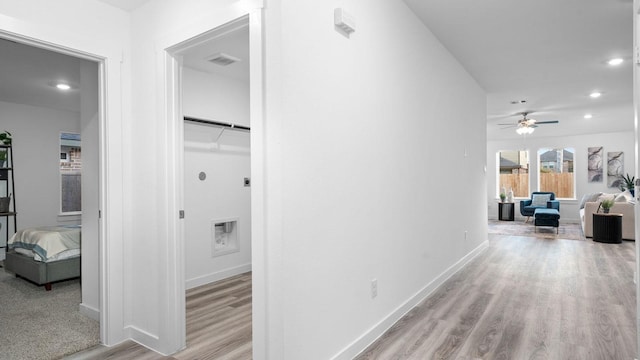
x=527, y=125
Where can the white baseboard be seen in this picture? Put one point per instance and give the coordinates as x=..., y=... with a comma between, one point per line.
x=143, y=338
x=89, y=312
x=220, y=275
x=381, y=327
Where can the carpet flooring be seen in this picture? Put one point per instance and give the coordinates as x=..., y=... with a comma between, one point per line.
x=42, y=325
x=520, y=228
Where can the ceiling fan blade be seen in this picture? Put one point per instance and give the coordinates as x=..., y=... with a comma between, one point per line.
x=508, y=126
x=512, y=124
x=547, y=122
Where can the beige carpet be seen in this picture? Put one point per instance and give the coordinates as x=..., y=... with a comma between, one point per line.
x=519, y=228
x=39, y=324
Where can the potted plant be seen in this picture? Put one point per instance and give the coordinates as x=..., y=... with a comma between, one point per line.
x=629, y=183
x=502, y=197
x=4, y=172
x=606, y=205
x=5, y=138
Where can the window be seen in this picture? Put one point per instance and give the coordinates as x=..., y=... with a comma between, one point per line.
x=556, y=172
x=513, y=172
x=70, y=173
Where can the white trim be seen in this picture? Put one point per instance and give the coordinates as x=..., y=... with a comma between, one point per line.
x=89, y=312
x=172, y=328
x=54, y=39
x=144, y=338
x=217, y=276
x=636, y=114
x=381, y=327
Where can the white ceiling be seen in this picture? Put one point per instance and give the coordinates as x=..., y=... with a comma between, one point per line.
x=28, y=76
x=550, y=53
x=127, y=5
x=234, y=43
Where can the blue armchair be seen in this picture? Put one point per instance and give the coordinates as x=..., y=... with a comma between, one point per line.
x=538, y=201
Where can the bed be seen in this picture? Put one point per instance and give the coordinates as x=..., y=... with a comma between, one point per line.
x=45, y=255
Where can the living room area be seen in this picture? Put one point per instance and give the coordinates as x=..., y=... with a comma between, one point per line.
x=582, y=171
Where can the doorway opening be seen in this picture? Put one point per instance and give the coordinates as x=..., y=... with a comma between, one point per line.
x=48, y=92
x=214, y=113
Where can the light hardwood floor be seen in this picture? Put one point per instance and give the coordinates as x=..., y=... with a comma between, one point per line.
x=522, y=298
x=218, y=326
x=525, y=298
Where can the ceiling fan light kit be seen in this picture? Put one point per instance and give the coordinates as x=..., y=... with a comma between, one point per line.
x=524, y=130
x=526, y=126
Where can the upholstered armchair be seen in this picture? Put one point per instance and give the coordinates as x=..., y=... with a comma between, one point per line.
x=539, y=199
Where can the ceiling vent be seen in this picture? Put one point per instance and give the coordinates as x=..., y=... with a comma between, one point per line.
x=222, y=59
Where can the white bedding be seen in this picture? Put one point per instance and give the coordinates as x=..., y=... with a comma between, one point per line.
x=47, y=243
x=61, y=256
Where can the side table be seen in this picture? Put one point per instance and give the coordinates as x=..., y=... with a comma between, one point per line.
x=607, y=228
x=506, y=211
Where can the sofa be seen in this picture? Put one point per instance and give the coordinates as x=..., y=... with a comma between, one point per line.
x=623, y=205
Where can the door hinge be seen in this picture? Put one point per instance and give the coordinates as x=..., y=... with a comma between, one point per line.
x=181, y=214
x=99, y=214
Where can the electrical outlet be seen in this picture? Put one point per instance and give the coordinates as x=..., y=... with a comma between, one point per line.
x=374, y=288
x=465, y=234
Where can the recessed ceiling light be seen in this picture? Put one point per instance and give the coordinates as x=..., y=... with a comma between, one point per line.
x=616, y=61
x=62, y=86
x=588, y=116
x=595, y=94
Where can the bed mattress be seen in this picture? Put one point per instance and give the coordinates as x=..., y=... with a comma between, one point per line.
x=47, y=243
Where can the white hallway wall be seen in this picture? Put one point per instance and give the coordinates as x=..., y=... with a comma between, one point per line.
x=377, y=152
x=358, y=149
x=36, y=133
x=92, y=27
x=155, y=318
x=222, y=194
x=619, y=141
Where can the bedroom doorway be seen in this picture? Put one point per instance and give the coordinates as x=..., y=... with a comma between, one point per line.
x=51, y=91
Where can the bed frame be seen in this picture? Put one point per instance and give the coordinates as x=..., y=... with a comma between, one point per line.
x=42, y=273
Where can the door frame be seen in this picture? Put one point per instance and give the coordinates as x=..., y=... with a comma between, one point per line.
x=106, y=331
x=167, y=50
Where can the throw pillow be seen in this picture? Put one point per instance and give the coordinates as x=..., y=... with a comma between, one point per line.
x=606, y=197
x=540, y=199
x=624, y=196
x=589, y=198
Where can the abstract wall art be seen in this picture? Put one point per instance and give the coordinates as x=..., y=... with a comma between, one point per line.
x=615, y=168
x=594, y=172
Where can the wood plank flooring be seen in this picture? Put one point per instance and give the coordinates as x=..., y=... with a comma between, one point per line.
x=522, y=298
x=218, y=326
x=525, y=298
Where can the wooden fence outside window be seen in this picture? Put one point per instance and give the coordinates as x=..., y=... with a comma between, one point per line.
x=559, y=183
